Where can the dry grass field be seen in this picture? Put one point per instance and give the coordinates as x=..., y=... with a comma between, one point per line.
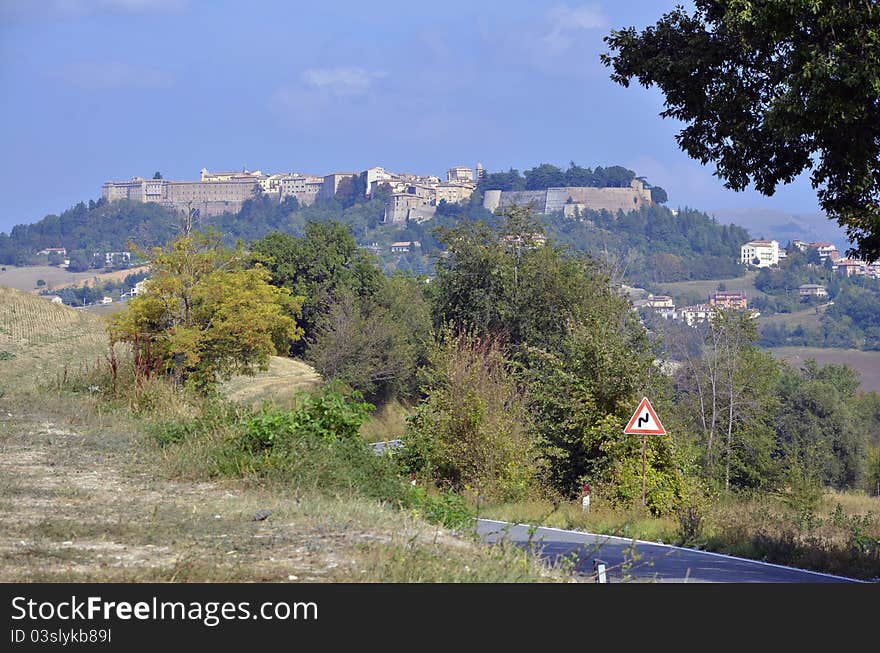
x=284, y=377
x=745, y=283
x=809, y=317
x=25, y=278
x=42, y=339
x=116, y=275
x=866, y=363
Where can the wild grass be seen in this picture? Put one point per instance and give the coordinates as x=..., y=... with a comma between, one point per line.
x=601, y=518
x=277, y=385
x=388, y=422
x=417, y=562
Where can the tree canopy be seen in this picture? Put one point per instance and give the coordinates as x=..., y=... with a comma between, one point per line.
x=204, y=315
x=318, y=266
x=770, y=89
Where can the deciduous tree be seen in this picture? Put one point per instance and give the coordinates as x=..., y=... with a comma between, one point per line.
x=770, y=89
x=205, y=314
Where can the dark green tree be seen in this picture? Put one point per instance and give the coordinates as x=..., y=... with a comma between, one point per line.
x=770, y=89
x=820, y=428
x=544, y=176
x=318, y=267
x=374, y=343
x=582, y=354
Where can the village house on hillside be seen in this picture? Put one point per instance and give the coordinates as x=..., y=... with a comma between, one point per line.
x=659, y=301
x=729, y=299
x=852, y=268
x=664, y=306
x=528, y=241
x=760, y=253
x=812, y=290
x=825, y=250
x=61, y=251
x=405, y=246
x=697, y=314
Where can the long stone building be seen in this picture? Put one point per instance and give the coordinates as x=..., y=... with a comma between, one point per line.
x=225, y=192
x=572, y=199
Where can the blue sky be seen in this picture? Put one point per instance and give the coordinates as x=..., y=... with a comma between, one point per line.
x=95, y=90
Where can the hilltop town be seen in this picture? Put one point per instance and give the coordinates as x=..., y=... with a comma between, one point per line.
x=407, y=196
x=410, y=196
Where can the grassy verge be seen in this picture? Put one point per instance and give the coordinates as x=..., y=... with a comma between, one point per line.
x=88, y=494
x=839, y=536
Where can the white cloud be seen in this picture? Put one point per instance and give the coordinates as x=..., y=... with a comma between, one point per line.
x=566, y=22
x=112, y=74
x=323, y=94
x=564, y=40
x=340, y=81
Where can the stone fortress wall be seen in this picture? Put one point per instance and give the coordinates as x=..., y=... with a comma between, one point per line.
x=572, y=199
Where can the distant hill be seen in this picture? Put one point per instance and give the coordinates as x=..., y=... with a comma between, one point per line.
x=85, y=229
x=652, y=244
x=866, y=363
x=782, y=226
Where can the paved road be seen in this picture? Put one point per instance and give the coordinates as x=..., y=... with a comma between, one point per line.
x=645, y=561
x=626, y=561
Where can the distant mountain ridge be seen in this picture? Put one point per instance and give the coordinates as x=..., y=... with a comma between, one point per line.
x=783, y=226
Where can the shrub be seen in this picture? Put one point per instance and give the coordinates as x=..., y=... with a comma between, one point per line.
x=327, y=415
x=447, y=508
x=473, y=431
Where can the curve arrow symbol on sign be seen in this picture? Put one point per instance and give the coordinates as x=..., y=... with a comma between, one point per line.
x=644, y=421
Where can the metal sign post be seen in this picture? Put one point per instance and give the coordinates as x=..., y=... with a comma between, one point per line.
x=644, y=422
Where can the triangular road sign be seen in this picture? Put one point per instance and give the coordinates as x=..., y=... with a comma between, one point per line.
x=644, y=421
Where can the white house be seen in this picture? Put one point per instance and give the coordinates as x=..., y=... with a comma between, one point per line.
x=698, y=314
x=760, y=253
x=405, y=246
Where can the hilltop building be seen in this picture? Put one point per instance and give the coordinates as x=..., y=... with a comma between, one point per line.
x=214, y=194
